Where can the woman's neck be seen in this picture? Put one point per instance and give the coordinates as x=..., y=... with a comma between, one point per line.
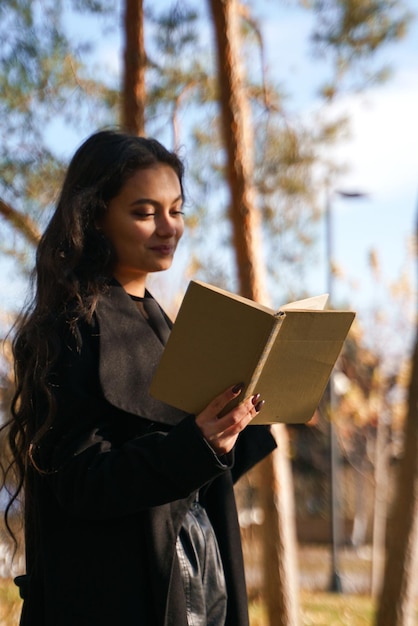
x=134, y=286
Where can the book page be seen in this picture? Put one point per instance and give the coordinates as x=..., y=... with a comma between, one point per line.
x=234, y=296
x=300, y=363
x=220, y=339
x=216, y=342
x=316, y=303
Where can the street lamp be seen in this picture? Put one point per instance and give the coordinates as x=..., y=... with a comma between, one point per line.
x=335, y=581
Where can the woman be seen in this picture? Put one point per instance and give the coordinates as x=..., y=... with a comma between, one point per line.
x=130, y=515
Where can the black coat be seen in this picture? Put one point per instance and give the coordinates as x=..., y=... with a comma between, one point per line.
x=119, y=470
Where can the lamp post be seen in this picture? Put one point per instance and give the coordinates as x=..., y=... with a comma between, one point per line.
x=335, y=580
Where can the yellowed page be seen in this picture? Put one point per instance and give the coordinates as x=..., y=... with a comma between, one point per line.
x=216, y=342
x=300, y=363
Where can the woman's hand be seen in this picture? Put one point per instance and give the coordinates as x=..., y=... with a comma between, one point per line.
x=221, y=432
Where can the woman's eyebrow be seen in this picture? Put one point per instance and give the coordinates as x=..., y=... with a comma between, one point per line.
x=154, y=202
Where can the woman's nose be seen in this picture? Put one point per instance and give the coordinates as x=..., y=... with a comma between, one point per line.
x=166, y=226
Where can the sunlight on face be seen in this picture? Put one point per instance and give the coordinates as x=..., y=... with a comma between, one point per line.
x=144, y=222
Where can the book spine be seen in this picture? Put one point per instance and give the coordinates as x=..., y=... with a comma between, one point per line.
x=278, y=320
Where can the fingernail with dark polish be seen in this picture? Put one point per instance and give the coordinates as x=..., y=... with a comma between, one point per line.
x=259, y=405
x=239, y=387
x=255, y=399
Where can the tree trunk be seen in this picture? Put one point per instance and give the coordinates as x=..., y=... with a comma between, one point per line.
x=237, y=131
x=395, y=603
x=273, y=474
x=275, y=483
x=381, y=478
x=396, y=599
x=133, y=91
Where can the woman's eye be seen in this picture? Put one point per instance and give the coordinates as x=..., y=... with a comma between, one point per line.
x=143, y=216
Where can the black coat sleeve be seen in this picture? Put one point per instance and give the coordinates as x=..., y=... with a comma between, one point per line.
x=101, y=462
x=254, y=443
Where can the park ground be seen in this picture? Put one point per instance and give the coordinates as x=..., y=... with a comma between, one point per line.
x=319, y=607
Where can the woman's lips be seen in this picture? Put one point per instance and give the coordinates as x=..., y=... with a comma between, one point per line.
x=163, y=249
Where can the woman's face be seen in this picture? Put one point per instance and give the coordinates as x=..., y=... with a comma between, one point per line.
x=144, y=222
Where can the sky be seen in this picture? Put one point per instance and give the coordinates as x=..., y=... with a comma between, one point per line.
x=381, y=156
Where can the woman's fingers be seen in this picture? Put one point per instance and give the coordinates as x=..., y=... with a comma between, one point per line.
x=238, y=418
x=220, y=402
x=221, y=432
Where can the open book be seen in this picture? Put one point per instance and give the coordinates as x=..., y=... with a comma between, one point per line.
x=220, y=339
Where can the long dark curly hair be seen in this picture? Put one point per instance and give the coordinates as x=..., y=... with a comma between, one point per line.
x=74, y=262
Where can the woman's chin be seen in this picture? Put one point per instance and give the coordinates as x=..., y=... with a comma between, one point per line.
x=162, y=266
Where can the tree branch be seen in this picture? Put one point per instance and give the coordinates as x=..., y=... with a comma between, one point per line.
x=21, y=223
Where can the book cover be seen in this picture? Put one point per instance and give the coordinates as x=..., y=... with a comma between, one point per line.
x=220, y=339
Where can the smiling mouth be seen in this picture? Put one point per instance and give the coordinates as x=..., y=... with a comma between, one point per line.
x=164, y=250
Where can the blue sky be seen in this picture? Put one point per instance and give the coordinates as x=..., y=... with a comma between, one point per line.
x=381, y=156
